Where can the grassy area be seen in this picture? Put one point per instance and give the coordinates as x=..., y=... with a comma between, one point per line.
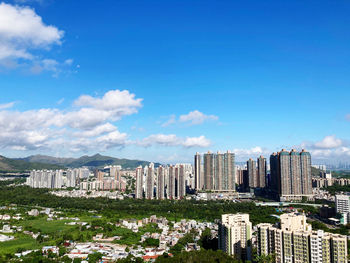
x=21, y=241
x=47, y=227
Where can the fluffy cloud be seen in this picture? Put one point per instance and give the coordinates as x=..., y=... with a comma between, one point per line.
x=329, y=147
x=86, y=126
x=193, y=118
x=22, y=30
x=329, y=142
x=6, y=105
x=173, y=140
x=197, y=117
x=244, y=154
x=22, y=35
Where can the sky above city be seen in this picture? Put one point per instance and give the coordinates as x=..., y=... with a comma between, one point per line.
x=162, y=80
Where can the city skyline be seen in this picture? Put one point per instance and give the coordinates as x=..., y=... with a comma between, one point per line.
x=166, y=80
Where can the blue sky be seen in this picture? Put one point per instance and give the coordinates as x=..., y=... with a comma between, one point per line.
x=248, y=76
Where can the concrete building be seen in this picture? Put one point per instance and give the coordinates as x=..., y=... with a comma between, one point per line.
x=295, y=242
x=209, y=170
x=150, y=182
x=171, y=183
x=219, y=171
x=342, y=204
x=181, y=186
x=291, y=174
x=139, y=183
x=252, y=173
x=160, y=186
x=198, y=175
x=235, y=233
x=262, y=172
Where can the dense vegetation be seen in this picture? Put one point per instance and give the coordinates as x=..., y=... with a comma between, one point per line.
x=96, y=161
x=341, y=174
x=130, y=208
x=13, y=165
x=337, y=188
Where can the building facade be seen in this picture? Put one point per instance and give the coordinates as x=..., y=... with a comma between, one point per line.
x=235, y=234
x=291, y=174
x=295, y=242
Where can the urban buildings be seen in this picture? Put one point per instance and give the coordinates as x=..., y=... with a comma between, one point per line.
x=235, y=234
x=295, y=242
x=342, y=204
x=252, y=173
x=139, y=183
x=291, y=174
x=164, y=182
x=342, y=207
x=262, y=172
x=46, y=179
x=198, y=172
x=219, y=171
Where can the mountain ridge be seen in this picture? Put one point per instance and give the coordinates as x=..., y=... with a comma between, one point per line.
x=93, y=161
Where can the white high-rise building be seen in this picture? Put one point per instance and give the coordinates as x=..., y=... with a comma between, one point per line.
x=139, y=183
x=235, y=234
x=295, y=242
x=342, y=203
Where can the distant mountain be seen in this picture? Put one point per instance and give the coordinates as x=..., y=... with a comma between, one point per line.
x=14, y=165
x=95, y=161
x=47, y=159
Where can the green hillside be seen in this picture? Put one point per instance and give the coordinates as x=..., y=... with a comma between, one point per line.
x=95, y=161
x=13, y=165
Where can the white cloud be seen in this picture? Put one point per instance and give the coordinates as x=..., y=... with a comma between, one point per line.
x=6, y=105
x=173, y=140
x=22, y=35
x=197, y=117
x=252, y=152
x=98, y=130
x=171, y=120
x=88, y=125
x=200, y=141
x=22, y=30
x=80, y=128
x=329, y=142
x=330, y=148
x=112, y=139
x=193, y=118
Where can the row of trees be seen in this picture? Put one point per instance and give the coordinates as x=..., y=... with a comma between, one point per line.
x=131, y=208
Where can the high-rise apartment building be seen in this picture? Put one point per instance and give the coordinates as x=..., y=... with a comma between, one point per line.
x=198, y=174
x=47, y=179
x=342, y=204
x=295, y=242
x=139, y=183
x=235, y=233
x=274, y=180
x=209, y=170
x=291, y=171
x=219, y=171
x=160, y=183
x=150, y=182
x=181, y=185
x=252, y=173
x=261, y=180
x=171, y=183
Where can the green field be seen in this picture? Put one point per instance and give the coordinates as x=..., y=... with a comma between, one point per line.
x=21, y=241
x=48, y=227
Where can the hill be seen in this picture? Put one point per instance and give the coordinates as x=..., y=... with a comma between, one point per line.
x=95, y=161
x=14, y=165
